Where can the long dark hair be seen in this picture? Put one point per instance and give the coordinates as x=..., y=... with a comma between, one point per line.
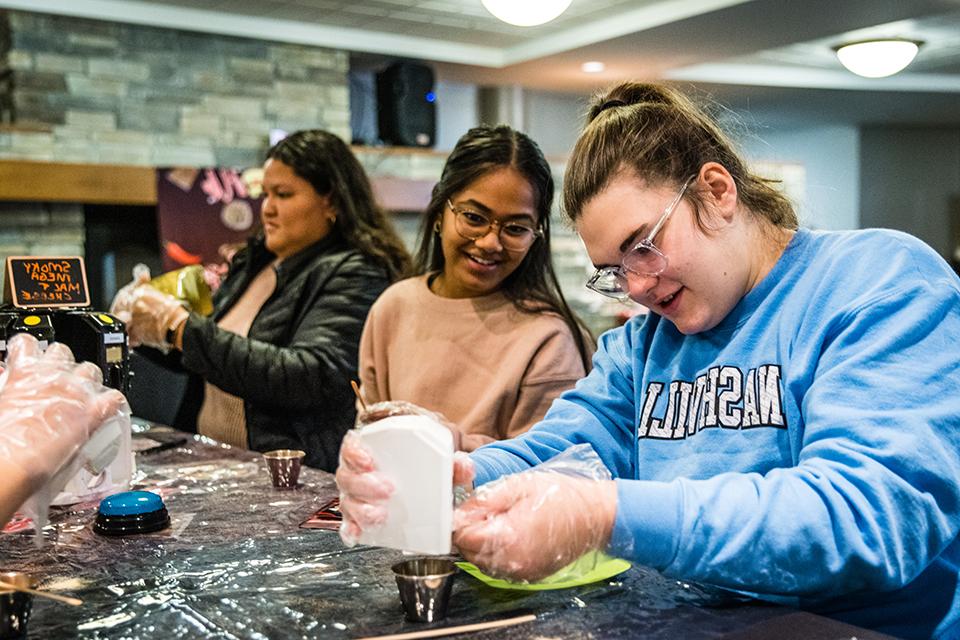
x=533, y=286
x=323, y=160
x=663, y=137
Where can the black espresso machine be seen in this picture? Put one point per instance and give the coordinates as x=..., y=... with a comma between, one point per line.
x=48, y=298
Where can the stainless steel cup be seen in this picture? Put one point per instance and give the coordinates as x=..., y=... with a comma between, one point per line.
x=425, y=585
x=15, y=605
x=284, y=467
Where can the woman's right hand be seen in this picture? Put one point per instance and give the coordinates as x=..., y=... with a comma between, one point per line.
x=122, y=305
x=364, y=491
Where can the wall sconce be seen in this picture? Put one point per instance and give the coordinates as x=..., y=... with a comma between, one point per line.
x=526, y=13
x=877, y=58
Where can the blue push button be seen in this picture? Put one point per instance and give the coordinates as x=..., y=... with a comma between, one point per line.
x=130, y=503
x=131, y=512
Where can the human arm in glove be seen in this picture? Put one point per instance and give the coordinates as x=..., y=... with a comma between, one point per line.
x=49, y=407
x=526, y=526
x=523, y=527
x=151, y=315
x=311, y=365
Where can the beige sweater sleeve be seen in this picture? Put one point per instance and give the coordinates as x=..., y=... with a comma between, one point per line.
x=555, y=368
x=366, y=367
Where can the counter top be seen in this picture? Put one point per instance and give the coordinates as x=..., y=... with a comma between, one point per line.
x=235, y=564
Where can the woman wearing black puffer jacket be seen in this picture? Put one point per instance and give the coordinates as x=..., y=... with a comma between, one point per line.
x=277, y=355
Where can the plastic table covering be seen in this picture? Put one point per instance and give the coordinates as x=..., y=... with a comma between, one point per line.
x=235, y=564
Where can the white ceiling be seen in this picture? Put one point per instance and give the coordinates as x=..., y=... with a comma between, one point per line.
x=771, y=55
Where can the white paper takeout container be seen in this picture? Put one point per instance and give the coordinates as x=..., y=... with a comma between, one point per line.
x=416, y=454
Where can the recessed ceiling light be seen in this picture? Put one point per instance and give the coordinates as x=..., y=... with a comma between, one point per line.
x=526, y=13
x=594, y=66
x=877, y=58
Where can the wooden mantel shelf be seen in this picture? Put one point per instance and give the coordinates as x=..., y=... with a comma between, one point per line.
x=26, y=181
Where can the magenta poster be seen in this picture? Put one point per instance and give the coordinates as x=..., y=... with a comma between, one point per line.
x=204, y=214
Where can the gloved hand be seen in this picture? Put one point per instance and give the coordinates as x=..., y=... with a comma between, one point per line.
x=122, y=304
x=364, y=492
x=526, y=526
x=152, y=313
x=49, y=407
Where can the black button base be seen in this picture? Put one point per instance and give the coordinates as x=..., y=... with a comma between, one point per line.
x=132, y=524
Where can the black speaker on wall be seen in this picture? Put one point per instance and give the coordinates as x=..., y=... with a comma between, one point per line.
x=406, y=110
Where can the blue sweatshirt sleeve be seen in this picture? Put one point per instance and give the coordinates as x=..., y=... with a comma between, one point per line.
x=875, y=495
x=599, y=411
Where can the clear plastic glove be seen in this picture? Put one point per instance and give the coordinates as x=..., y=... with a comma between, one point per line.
x=152, y=313
x=364, y=491
x=122, y=304
x=49, y=407
x=528, y=525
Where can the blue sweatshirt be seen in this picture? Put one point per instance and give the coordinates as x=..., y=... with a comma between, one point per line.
x=806, y=449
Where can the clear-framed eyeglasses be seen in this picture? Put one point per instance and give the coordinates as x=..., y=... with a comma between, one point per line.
x=644, y=259
x=515, y=235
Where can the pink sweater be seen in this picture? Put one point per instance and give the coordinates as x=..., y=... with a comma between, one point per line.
x=487, y=367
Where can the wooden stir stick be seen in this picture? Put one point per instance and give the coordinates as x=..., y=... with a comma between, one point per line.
x=356, y=391
x=76, y=602
x=451, y=631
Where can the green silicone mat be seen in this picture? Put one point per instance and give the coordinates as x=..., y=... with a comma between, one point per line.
x=591, y=567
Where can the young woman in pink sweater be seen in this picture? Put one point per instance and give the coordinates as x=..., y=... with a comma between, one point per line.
x=482, y=335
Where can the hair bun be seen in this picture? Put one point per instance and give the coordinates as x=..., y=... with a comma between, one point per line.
x=608, y=104
x=631, y=93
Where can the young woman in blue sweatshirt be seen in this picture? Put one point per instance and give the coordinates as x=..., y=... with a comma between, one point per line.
x=785, y=421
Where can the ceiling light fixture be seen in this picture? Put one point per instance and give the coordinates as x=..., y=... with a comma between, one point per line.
x=526, y=13
x=877, y=58
x=594, y=66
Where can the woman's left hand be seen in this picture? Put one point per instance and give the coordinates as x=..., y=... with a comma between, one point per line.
x=152, y=313
x=528, y=525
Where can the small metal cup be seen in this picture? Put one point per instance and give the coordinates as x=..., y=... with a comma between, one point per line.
x=15, y=605
x=284, y=467
x=425, y=585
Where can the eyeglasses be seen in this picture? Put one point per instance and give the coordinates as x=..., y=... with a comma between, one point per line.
x=513, y=235
x=644, y=259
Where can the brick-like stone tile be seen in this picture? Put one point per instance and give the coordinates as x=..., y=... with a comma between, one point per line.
x=58, y=63
x=92, y=120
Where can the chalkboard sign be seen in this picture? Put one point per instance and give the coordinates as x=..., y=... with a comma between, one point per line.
x=46, y=282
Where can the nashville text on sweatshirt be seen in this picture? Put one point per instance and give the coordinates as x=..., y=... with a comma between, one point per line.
x=720, y=397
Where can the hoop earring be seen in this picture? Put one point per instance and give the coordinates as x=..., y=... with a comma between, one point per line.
x=436, y=227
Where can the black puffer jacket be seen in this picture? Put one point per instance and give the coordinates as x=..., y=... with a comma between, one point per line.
x=293, y=370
